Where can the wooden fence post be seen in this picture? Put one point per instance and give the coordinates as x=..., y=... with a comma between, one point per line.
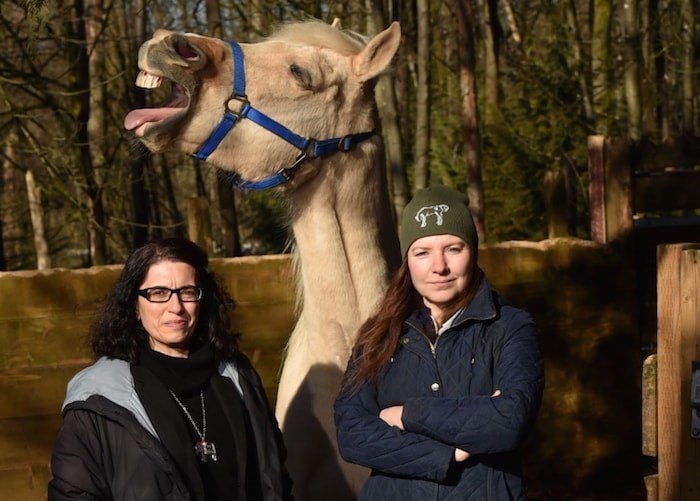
x=650, y=421
x=678, y=306
x=610, y=188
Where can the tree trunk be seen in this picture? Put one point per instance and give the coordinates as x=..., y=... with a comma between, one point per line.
x=660, y=77
x=422, y=160
x=138, y=163
x=169, y=193
x=577, y=53
x=600, y=61
x=36, y=211
x=199, y=222
x=492, y=35
x=230, y=237
x=8, y=188
x=467, y=79
x=633, y=65
x=512, y=22
x=259, y=17
x=92, y=189
x=688, y=23
x=391, y=128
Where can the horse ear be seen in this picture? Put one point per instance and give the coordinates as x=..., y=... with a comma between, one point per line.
x=377, y=54
x=336, y=23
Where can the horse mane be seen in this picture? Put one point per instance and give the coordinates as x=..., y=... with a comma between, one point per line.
x=320, y=34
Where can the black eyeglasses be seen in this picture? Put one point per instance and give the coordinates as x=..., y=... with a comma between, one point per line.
x=186, y=294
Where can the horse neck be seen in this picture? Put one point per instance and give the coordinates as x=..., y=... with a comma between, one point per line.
x=346, y=240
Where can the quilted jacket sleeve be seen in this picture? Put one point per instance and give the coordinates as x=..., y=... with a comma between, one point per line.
x=364, y=439
x=485, y=424
x=75, y=462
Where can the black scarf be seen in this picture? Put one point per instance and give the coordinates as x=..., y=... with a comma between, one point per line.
x=184, y=376
x=187, y=377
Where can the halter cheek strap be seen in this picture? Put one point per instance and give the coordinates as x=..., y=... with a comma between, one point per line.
x=308, y=147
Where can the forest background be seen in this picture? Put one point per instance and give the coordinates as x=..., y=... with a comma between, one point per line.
x=489, y=96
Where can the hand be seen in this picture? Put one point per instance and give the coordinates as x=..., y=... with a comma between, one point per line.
x=392, y=416
x=461, y=455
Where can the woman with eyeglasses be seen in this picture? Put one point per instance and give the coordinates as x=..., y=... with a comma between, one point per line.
x=171, y=409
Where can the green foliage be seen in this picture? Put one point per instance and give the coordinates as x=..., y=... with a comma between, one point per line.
x=539, y=127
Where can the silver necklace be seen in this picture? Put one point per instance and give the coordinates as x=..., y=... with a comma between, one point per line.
x=205, y=450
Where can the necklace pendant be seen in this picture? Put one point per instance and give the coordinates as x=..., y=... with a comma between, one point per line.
x=206, y=451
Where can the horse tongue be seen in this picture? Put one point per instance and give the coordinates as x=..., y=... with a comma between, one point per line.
x=137, y=118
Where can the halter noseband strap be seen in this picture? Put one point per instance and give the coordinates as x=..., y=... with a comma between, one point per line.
x=308, y=147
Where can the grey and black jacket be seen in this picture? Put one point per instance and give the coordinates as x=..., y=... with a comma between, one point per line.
x=108, y=448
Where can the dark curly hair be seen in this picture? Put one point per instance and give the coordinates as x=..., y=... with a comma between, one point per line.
x=117, y=333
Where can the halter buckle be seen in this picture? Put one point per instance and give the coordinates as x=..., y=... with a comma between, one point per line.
x=309, y=150
x=341, y=143
x=244, y=105
x=290, y=171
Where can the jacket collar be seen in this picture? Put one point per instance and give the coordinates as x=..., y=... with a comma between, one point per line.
x=483, y=307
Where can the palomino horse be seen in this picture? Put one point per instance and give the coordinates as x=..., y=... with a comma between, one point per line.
x=301, y=117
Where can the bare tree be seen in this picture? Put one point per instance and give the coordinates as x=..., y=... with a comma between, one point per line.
x=259, y=16
x=81, y=87
x=492, y=34
x=688, y=74
x=512, y=21
x=8, y=180
x=422, y=125
x=388, y=111
x=656, y=61
x=230, y=239
x=36, y=211
x=572, y=23
x=470, y=117
x=600, y=63
x=130, y=21
x=633, y=65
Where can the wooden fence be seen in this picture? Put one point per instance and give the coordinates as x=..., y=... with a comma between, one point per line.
x=586, y=439
x=44, y=317
x=668, y=431
x=628, y=179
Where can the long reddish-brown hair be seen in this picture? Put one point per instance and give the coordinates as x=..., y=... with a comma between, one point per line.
x=379, y=335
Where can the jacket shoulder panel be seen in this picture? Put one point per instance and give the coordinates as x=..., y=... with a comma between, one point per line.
x=111, y=379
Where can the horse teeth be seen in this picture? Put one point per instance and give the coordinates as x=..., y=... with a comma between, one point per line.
x=147, y=81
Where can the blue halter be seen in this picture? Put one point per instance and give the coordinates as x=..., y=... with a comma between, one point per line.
x=309, y=148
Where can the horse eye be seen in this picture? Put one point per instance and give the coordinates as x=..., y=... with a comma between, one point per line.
x=302, y=75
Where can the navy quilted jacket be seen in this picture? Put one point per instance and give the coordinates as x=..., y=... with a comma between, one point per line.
x=446, y=394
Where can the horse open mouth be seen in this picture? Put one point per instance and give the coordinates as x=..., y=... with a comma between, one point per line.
x=177, y=103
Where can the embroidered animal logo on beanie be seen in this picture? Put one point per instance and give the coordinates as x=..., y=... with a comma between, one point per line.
x=432, y=210
x=437, y=210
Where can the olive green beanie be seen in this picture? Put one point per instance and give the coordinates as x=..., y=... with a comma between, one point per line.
x=437, y=210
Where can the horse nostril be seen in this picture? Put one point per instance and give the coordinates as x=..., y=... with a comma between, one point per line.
x=184, y=49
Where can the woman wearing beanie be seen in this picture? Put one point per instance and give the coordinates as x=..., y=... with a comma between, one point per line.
x=446, y=377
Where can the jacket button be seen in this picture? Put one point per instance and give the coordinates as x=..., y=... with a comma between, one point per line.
x=405, y=340
x=435, y=387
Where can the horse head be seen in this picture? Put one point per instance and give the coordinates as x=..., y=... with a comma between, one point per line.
x=262, y=110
